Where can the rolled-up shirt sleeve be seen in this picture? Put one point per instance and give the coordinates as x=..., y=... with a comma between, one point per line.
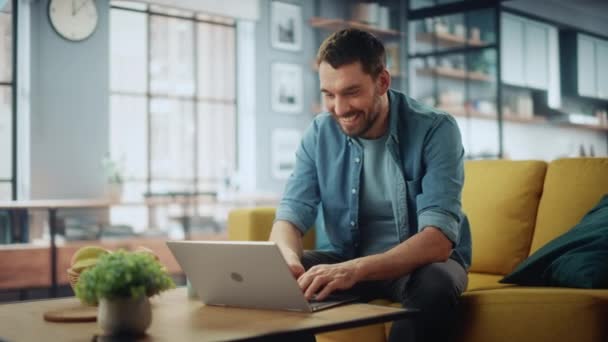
x=439, y=204
x=301, y=197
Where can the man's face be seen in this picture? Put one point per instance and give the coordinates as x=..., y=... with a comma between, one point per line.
x=351, y=96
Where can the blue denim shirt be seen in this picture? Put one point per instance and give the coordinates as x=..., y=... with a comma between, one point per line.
x=427, y=151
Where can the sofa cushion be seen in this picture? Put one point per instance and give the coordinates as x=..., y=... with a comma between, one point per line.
x=533, y=314
x=572, y=187
x=578, y=258
x=501, y=198
x=481, y=281
x=255, y=224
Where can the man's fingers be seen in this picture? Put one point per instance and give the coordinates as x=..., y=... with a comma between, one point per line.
x=318, y=282
x=327, y=290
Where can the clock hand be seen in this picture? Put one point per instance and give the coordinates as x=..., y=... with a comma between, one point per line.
x=82, y=4
x=73, y=13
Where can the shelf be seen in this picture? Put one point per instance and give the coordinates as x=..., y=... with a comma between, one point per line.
x=536, y=119
x=448, y=40
x=459, y=111
x=338, y=24
x=458, y=74
x=602, y=128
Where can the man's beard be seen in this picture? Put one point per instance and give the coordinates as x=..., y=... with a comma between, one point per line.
x=370, y=120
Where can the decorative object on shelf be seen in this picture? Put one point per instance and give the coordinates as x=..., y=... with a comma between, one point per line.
x=392, y=58
x=122, y=282
x=284, y=144
x=286, y=26
x=286, y=89
x=384, y=19
x=459, y=31
x=73, y=20
x=367, y=13
x=475, y=34
x=114, y=178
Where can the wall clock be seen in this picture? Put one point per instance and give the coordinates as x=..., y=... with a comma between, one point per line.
x=73, y=19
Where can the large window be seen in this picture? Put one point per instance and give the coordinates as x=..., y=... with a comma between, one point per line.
x=173, y=105
x=6, y=102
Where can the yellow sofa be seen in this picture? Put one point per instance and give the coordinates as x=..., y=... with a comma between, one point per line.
x=515, y=207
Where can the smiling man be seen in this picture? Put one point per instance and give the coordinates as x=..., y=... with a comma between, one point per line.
x=382, y=174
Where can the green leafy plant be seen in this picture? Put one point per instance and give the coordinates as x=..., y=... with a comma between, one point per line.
x=112, y=169
x=122, y=274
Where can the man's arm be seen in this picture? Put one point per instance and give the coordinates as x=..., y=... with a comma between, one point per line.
x=289, y=240
x=428, y=246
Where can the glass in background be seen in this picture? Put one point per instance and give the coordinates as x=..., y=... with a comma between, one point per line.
x=171, y=56
x=5, y=191
x=451, y=75
x=217, y=145
x=483, y=129
x=128, y=142
x=216, y=61
x=128, y=52
x=172, y=144
x=419, y=4
x=422, y=82
x=6, y=133
x=6, y=45
x=481, y=72
x=481, y=27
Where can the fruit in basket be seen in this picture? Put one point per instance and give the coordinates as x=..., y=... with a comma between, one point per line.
x=84, y=258
x=88, y=252
x=81, y=265
x=146, y=250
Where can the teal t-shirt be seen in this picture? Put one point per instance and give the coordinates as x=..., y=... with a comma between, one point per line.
x=378, y=231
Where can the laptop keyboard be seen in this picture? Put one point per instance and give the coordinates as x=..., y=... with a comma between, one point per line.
x=331, y=299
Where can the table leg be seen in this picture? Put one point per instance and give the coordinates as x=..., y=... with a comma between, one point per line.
x=53, y=232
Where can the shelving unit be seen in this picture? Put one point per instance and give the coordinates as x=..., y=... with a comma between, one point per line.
x=448, y=40
x=333, y=24
x=453, y=66
x=458, y=74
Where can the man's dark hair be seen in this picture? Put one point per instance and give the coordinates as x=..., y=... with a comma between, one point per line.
x=352, y=45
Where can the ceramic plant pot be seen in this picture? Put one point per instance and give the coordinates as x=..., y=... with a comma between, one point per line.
x=130, y=316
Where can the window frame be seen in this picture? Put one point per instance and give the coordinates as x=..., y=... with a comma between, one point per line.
x=196, y=99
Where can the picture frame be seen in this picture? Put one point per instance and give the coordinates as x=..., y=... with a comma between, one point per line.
x=285, y=26
x=284, y=144
x=286, y=88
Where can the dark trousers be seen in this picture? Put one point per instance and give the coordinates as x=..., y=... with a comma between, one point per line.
x=434, y=289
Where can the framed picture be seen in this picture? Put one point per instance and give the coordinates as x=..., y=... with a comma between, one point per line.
x=285, y=143
x=286, y=89
x=286, y=26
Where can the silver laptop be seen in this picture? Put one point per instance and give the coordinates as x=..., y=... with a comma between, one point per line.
x=244, y=274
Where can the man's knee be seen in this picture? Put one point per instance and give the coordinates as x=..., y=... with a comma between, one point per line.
x=434, y=287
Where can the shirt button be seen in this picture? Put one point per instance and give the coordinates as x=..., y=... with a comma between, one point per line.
x=352, y=223
x=354, y=191
x=357, y=160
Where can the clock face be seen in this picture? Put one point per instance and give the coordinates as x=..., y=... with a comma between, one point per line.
x=73, y=19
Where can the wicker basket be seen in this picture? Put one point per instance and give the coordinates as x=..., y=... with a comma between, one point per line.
x=73, y=278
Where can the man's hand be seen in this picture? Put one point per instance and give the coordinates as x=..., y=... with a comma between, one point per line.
x=328, y=278
x=293, y=261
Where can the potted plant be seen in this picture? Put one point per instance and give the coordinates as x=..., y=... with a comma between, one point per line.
x=114, y=178
x=121, y=283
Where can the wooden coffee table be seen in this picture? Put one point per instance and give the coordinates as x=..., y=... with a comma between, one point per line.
x=175, y=317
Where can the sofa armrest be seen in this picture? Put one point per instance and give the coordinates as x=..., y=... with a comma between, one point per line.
x=254, y=224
